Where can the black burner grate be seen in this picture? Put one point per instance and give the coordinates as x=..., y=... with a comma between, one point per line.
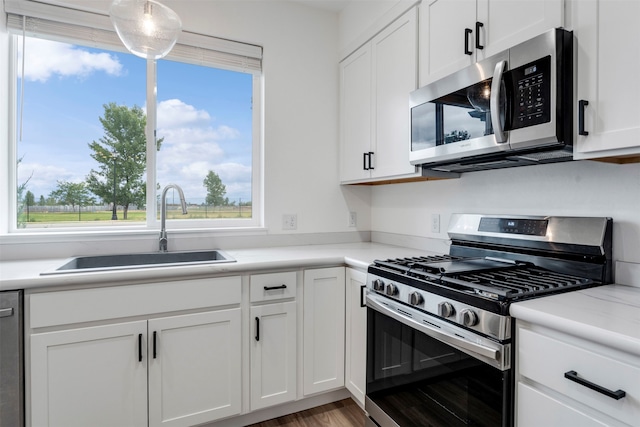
x=488, y=278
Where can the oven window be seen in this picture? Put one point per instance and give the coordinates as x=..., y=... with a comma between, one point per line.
x=419, y=381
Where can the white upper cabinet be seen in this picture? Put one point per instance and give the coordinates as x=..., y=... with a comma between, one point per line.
x=608, y=38
x=457, y=33
x=375, y=82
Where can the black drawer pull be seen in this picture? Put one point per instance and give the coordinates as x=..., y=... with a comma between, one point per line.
x=573, y=376
x=371, y=153
x=273, y=288
x=140, y=348
x=364, y=161
x=257, y=329
x=362, y=289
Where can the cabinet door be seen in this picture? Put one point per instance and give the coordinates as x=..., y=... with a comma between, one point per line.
x=323, y=349
x=273, y=354
x=395, y=69
x=355, y=114
x=93, y=376
x=194, y=368
x=607, y=32
x=356, y=334
x=442, y=37
x=507, y=23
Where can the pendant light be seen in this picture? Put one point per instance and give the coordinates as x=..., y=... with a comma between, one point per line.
x=147, y=28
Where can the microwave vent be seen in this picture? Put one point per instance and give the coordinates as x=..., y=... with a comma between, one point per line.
x=545, y=156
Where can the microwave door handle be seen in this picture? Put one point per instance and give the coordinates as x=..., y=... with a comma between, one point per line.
x=496, y=84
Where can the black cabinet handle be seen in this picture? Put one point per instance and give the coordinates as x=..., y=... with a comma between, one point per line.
x=272, y=288
x=573, y=376
x=257, y=329
x=155, y=337
x=364, y=161
x=467, y=33
x=478, y=26
x=362, y=293
x=581, y=106
x=140, y=348
x=370, y=157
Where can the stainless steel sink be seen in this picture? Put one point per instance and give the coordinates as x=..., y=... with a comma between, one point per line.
x=87, y=264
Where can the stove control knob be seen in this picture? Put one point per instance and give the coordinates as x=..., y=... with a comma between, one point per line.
x=469, y=318
x=378, y=285
x=392, y=290
x=445, y=309
x=415, y=298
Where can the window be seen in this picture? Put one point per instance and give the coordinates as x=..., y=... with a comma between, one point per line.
x=81, y=136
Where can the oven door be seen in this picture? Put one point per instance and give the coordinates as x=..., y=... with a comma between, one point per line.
x=423, y=371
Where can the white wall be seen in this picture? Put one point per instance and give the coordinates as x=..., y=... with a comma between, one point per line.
x=300, y=128
x=583, y=188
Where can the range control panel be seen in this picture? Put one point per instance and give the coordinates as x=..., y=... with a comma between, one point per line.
x=529, y=227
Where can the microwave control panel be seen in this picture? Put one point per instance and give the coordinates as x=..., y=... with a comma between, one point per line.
x=531, y=93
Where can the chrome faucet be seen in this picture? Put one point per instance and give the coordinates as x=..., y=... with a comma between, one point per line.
x=163, y=214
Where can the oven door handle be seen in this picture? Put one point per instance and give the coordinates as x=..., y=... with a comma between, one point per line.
x=453, y=340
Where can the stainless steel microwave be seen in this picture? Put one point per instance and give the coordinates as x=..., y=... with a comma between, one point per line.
x=512, y=109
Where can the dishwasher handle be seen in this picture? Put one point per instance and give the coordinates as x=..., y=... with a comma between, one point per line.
x=6, y=312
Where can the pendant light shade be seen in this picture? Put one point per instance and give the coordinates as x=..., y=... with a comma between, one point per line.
x=147, y=28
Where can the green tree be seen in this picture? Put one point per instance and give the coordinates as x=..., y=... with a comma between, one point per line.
x=29, y=200
x=20, y=197
x=215, y=189
x=42, y=201
x=124, y=148
x=74, y=194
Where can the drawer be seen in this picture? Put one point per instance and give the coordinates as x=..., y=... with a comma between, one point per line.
x=546, y=360
x=273, y=286
x=87, y=305
x=536, y=409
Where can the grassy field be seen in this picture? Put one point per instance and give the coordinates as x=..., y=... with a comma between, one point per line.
x=197, y=212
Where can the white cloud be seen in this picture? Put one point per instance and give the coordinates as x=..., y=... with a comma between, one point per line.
x=45, y=58
x=173, y=113
x=191, y=148
x=43, y=178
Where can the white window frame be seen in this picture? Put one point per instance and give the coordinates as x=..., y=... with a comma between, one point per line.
x=192, y=48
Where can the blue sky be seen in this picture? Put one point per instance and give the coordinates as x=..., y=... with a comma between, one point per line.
x=204, y=115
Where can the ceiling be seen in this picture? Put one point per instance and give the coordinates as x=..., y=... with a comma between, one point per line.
x=330, y=5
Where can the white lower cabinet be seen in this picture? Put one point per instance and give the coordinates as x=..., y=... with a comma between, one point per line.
x=176, y=370
x=568, y=381
x=273, y=354
x=356, y=334
x=324, y=324
x=93, y=376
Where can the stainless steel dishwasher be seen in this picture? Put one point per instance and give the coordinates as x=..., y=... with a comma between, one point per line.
x=11, y=360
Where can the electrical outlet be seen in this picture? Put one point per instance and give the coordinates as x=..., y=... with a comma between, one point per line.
x=435, y=223
x=289, y=222
x=353, y=219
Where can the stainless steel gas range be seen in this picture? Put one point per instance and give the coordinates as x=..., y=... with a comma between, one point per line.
x=440, y=341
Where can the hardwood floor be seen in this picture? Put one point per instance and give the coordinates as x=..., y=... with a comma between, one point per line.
x=344, y=413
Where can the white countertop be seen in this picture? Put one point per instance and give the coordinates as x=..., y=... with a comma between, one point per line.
x=26, y=274
x=609, y=315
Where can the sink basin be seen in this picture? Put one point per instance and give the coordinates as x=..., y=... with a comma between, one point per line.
x=128, y=261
